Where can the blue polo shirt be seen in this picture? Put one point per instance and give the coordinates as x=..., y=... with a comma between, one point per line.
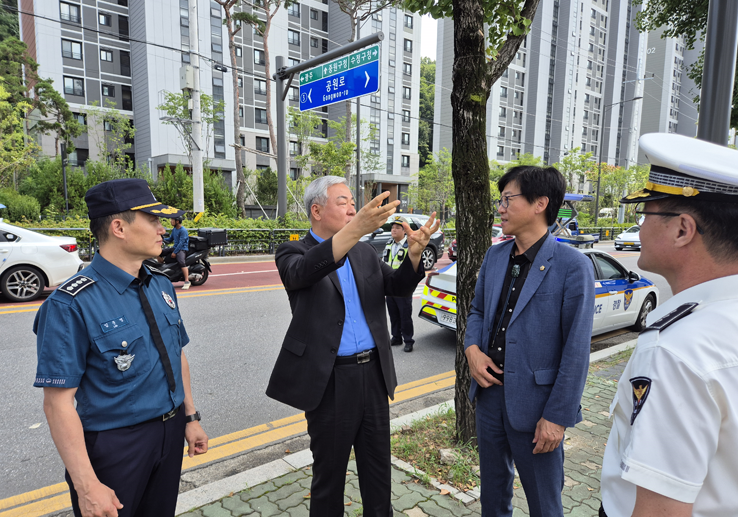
x=95, y=317
x=356, y=336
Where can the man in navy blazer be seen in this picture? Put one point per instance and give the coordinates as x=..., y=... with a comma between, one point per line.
x=527, y=344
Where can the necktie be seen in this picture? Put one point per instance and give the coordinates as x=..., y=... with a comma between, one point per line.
x=158, y=341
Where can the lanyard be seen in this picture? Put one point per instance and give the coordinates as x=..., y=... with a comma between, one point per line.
x=158, y=341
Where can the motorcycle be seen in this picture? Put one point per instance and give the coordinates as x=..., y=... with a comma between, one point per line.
x=196, y=259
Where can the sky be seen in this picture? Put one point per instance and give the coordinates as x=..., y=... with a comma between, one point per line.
x=428, y=37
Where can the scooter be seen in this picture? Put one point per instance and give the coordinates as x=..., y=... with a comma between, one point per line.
x=196, y=260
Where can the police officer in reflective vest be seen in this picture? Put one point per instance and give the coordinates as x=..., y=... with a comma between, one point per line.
x=400, y=309
x=111, y=339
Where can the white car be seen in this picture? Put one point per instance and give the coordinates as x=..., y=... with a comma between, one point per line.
x=630, y=238
x=622, y=298
x=30, y=261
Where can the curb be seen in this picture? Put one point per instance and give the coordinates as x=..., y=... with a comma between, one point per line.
x=217, y=490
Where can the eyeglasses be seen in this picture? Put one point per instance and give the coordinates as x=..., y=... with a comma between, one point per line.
x=504, y=201
x=639, y=210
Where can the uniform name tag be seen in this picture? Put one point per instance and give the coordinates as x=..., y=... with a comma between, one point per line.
x=111, y=325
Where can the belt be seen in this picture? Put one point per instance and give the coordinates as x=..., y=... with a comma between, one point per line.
x=164, y=417
x=360, y=358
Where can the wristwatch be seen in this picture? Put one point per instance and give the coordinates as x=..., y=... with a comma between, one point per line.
x=192, y=418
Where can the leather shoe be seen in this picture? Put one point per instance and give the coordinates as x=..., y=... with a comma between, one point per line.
x=408, y=347
x=396, y=343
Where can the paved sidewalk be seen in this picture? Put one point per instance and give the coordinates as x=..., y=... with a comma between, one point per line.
x=289, y=494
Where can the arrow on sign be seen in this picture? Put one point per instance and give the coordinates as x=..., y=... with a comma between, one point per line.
x=367, y=78
x=310, y=92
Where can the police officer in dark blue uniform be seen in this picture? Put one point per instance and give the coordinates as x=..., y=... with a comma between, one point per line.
x=112, y=338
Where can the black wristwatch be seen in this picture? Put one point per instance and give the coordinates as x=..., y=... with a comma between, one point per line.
x=192, y=418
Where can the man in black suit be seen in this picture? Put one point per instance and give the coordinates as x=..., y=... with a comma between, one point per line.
x=336, y=363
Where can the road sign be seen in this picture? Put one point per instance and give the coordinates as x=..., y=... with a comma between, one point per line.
x=345, y=78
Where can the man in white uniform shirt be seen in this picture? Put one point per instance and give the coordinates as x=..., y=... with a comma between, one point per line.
x=673, y=447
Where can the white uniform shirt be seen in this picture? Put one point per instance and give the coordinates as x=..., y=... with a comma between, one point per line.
x=683, y=442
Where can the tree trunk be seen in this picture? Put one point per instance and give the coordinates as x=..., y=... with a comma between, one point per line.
x=240, y=179
x=268, y=74
x=472, y=78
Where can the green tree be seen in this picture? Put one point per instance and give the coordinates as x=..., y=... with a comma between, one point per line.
x=266, y=187
x=574, y=166
x=688, y=19
x=339, y=153
x=427, y=99
x=487, y=35
x=113, y=133
x=15, y=154
x=435, y=188
x=303, y=125
x=58, y=117
x=174, y=188
x=9, y=27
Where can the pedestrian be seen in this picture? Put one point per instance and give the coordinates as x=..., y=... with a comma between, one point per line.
x=672, y=446
x=400, y=308
x=181, y=240
x=335, y=362
x=527, y=344
x=111, y=339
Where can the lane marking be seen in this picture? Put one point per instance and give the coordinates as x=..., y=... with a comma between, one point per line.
x=38, y=502
x=245, y=273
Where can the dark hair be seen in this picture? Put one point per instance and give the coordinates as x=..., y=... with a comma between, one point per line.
x=100, y=226
x=537, y=182
x=718, y=220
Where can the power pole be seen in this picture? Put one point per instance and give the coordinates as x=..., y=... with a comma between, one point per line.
x=358, y=198
x=281, y=142
x=198, y=195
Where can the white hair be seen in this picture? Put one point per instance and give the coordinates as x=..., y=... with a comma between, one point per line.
x=317, y=192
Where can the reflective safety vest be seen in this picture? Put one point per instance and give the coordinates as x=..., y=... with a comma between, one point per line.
x=395, y=260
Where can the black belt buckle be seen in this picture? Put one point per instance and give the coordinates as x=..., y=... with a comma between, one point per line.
x=364, y=357
x=169, y=415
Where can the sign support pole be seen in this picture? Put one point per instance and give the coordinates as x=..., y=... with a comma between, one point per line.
x=359, y=198
x=281, y=140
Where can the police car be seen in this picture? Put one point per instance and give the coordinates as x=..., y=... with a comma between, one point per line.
x=622, y=298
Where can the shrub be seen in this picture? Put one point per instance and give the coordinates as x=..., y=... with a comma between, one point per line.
x=19, y=207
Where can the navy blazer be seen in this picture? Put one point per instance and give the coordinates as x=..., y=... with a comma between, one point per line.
x=549, y=335
x=309, y=349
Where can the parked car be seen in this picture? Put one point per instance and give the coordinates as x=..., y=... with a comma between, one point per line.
x=622, y=298
x=630, y=238
x=497, y=237
x=30, y=261
x=381, y=236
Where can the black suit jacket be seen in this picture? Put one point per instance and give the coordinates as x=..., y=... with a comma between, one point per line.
x=309, y=349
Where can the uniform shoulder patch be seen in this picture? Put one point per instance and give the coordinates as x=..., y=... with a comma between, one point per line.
x=641, y=388
x=75, y=284
x=672, y=317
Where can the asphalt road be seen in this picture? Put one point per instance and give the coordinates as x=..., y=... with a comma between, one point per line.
x=236, y=322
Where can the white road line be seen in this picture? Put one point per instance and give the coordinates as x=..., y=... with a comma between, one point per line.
x=246, y=272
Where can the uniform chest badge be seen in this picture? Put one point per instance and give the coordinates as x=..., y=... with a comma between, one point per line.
x=168, y=299
x=123, y=361
x=641, y=388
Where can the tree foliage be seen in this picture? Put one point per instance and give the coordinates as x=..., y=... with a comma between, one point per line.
x=427, y=99
x=15, y=154
x=434, y=190
x=176, y=105
x=113, y=132
x=574, y=166
x=303, y=126
x=9, y=27
x=688, y=19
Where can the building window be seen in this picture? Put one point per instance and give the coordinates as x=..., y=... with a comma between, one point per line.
x=262, y=144
x=292, y=61
x=106, y=55
x=503, y=112
x=294, y=9
x=258, y=57
x=407, y=69
x=240, y=82
x=126, y=97
x=294, y=94
x=105, y=19
x=294, y=173
x=293, y=37
x=500, y=151
x=260, y=87
x=240, y=111
x=408, y=45
x=501, y=131
x=71, y=49
x=125, y=63
x=81, y=118
x=107, y=125
x=239, y=52
x=261, y=116
x=314, y=42
x=503, y=92
x=406, y=139
x=313, y=14
x=74, y=86
x=405, y=161
x=69, y=12
x=406, y=115
x=409, y=21
x=295, y=148
x=406, y=93
x=108, y=90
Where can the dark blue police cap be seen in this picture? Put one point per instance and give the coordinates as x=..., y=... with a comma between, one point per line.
x=116, y=196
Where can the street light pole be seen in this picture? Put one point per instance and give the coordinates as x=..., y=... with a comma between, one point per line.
x=602, y=145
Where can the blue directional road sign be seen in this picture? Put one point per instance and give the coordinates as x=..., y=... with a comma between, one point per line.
x=345, y=78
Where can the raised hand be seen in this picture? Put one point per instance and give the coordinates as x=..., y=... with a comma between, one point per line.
x=374, y=214
x=417, y=240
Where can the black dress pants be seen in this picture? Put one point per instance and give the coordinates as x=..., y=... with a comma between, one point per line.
x=354, y=412
x=401, y=319
x=141, y=463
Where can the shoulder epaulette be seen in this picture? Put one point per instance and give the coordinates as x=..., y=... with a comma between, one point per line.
x=157, y=271
x=74, y=285
x=671, y=318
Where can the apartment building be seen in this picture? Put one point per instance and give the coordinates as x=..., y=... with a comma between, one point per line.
x=569, y=86
x=127, y=53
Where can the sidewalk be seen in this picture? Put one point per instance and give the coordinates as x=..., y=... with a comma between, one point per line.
x=283, y=486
